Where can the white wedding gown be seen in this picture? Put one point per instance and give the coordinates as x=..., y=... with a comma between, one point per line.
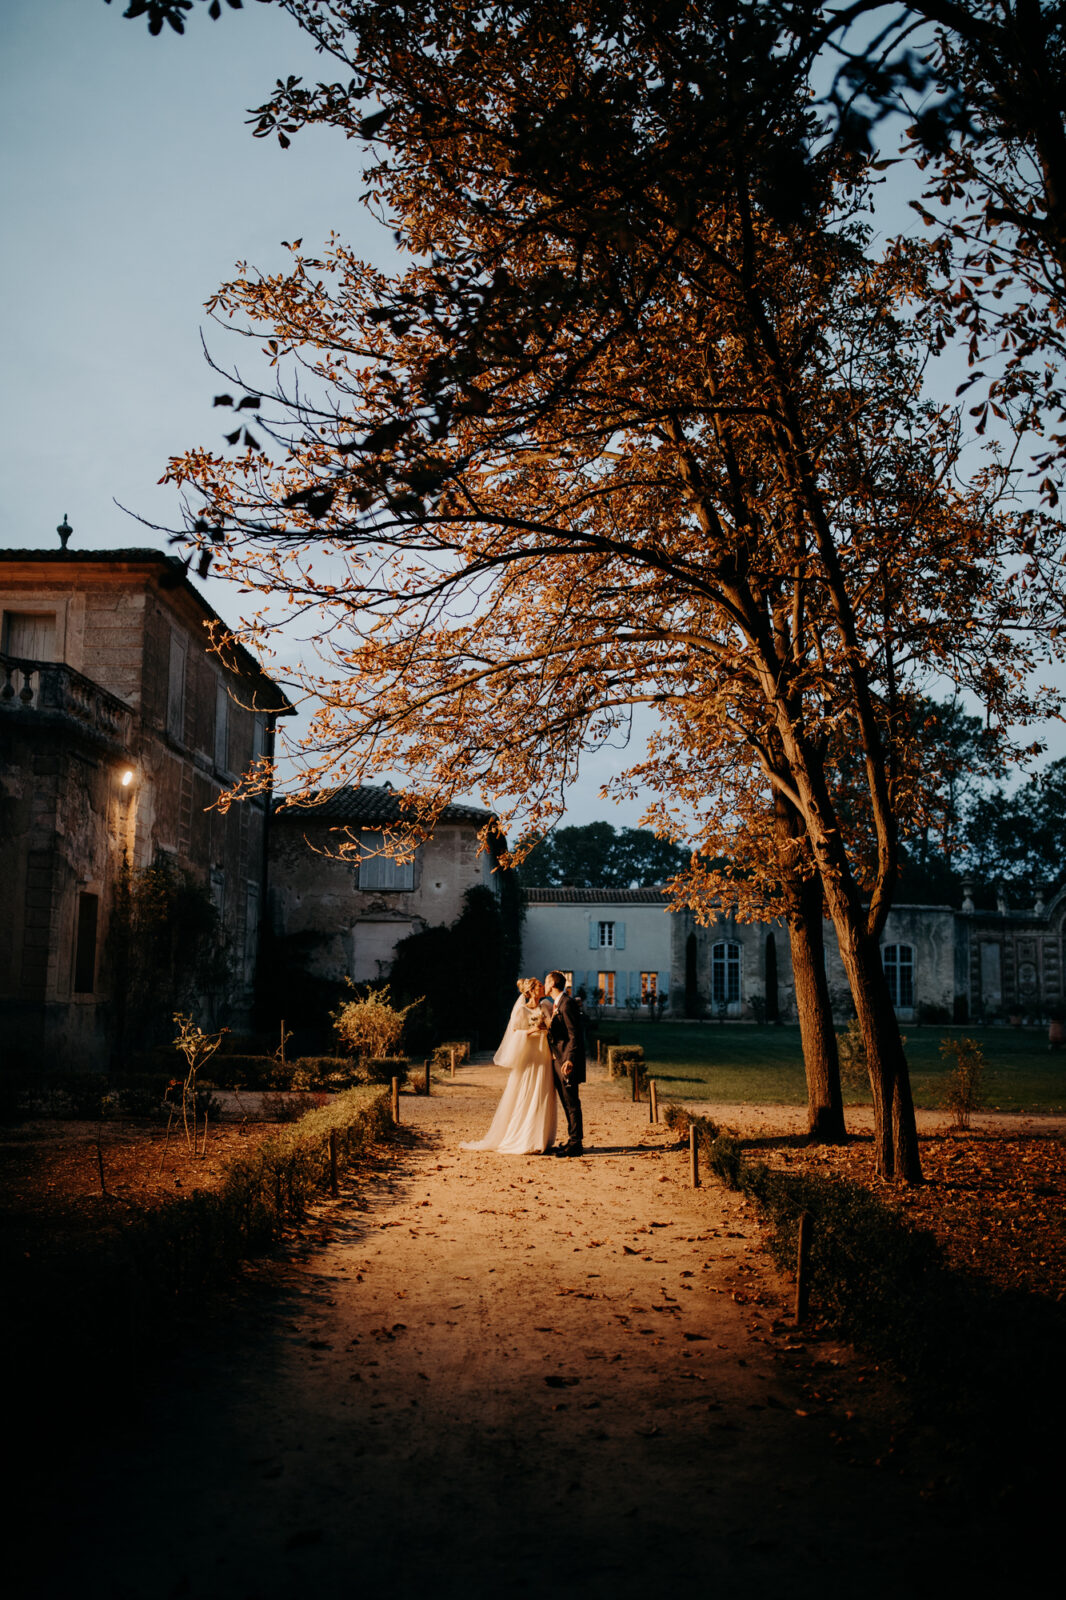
x=524, y=1123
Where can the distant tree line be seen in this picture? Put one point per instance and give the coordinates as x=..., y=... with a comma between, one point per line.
x=599, y=856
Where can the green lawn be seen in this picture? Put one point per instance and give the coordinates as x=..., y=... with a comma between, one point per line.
x=731, y=1061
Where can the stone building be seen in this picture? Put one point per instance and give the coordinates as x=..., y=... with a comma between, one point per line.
x=943, y=964
x=1011, y=960
x=118, y=731
x=347, y=904
x=616, y=940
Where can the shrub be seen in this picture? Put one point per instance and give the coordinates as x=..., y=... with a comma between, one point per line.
x=382, y=1069
x=963, y=1091
x=80, y=1096
x=442, y=1055
x=249, y=1072
x=623, y=1059
x=143, y=1094
x=323, y=1072
x=291, y=1107
x=851, y=1050
x=371, y=1027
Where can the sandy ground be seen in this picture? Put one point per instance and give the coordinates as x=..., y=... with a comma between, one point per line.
x=512, y=1375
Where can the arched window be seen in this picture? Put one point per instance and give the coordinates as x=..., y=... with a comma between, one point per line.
x=725, y=973
x=899, y=970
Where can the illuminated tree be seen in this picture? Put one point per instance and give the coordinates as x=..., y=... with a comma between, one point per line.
x=642, y=426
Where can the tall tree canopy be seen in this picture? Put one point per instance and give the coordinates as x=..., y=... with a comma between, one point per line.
x=643, y=424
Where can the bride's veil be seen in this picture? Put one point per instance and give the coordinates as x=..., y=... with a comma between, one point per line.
x=513, y=1040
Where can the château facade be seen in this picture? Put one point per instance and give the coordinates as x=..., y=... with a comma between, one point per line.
x=943, y=964
x=119, y=729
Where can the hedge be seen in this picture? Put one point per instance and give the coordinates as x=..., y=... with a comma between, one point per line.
x=442, y=1055
x=623, y=1058
x=882, y=1281
x=129, y=1284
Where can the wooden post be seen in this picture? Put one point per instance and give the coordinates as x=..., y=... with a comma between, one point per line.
x=427, y=1074
x=693, y=1155
x=333, y=1188
x=396, y=1100
x=281, y=1051
x=636, y=1081
x=653, y=1101
x=803, y=1265
x=451, y=1053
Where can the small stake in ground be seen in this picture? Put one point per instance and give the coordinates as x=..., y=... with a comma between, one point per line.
x=333, y=1189
x=653, y=1101
x=427, y=1061
x=451, y=1052
x=803, y=1265
x=396, y=1100
x=693, y=1155
x=636, y=1080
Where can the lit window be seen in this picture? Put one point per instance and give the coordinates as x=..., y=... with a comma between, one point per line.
x=899, y=970
x=606, y=935
x=725, y=973
x=605, y=981
x=649, y=987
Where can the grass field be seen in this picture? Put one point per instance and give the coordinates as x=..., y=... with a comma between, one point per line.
x=730, y=1061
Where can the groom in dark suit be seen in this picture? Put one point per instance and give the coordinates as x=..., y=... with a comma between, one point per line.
x=567, y=1035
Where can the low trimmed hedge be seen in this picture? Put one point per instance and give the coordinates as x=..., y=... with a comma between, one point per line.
x=622, y=1059
x=442, y=1056
x=382, y=1069
x=132, y=1281
x=882, y=1281
x=97, y=1096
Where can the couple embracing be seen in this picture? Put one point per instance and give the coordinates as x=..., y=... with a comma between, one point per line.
x=544, y=1047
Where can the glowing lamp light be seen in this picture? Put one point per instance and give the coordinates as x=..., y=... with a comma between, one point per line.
x=127, y=777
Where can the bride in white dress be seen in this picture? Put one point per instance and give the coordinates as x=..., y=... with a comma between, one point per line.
x=524, y=1123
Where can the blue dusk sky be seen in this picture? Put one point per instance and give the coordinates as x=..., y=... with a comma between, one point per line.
x=130, y=186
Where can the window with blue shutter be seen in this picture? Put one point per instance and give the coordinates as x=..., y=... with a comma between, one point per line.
x=619, y=935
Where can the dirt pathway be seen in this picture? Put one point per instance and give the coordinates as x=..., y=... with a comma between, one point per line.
x=512, y=1374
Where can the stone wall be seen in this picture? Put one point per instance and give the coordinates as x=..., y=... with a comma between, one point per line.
x=349, y=931
x=67, y=829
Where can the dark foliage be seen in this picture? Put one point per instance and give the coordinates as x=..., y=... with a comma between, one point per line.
x=164, y=952
x=289, y=991
x=466, y=973
x=599, y=855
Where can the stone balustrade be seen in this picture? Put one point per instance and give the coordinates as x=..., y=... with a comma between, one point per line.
x=53, y=690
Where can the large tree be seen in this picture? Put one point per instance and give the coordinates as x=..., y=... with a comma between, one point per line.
x=643, y=425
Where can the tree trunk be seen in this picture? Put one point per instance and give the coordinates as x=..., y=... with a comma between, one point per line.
x=825, y=1105
x=857, y=931
x=821, y=1063
x=895, y=1134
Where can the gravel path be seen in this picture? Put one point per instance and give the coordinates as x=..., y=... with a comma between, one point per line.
x=512, y=1375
